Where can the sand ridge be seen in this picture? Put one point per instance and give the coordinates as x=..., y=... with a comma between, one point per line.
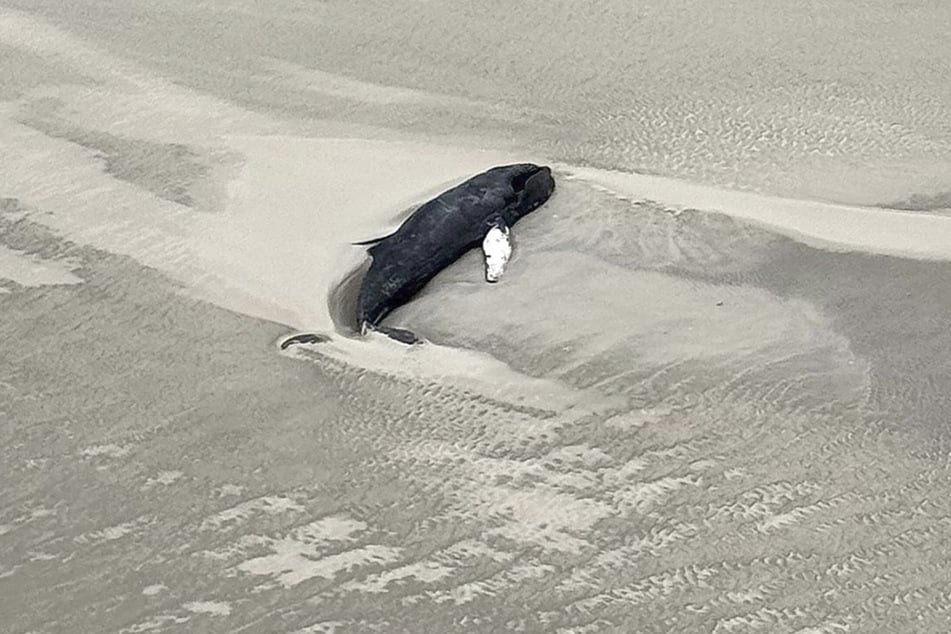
x=673, y=418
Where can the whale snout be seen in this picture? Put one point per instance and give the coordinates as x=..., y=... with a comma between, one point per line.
x=542, y=182
x=533, y=185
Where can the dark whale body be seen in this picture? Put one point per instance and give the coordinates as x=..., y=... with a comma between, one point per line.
x=436, y=235
x=440, y=232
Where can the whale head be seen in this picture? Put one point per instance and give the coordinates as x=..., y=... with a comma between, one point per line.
x=531, y=185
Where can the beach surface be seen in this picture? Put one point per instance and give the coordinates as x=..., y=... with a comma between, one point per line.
x=711, y=393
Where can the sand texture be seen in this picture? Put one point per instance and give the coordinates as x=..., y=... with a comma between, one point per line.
x=711, y=393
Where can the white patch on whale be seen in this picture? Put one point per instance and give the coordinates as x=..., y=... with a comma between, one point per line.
x=497, y=247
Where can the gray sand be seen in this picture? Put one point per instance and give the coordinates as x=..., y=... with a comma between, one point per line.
x=764, y=444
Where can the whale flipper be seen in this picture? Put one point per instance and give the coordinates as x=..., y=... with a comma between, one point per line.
x=497, y=248
x=371, y=241
x=397, y=334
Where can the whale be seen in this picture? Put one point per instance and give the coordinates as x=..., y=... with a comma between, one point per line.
x=479, y=211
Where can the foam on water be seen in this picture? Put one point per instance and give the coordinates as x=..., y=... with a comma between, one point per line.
x=30, y=270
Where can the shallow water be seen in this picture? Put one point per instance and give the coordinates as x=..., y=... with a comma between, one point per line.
x=688, y=421
x=843, y=102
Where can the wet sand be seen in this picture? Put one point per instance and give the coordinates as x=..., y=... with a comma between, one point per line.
x=686, y=408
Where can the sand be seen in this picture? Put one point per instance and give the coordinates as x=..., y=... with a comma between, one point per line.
x=710, y=393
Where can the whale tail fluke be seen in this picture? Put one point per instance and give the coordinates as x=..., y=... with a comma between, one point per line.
x=304, y=337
